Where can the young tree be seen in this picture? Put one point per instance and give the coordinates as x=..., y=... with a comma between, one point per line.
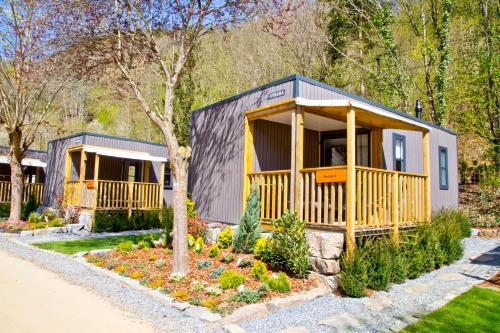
x=161, y=35
x=249, y=229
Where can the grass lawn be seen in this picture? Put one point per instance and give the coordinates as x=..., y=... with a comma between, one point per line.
x=74, y=246
x=477, y=310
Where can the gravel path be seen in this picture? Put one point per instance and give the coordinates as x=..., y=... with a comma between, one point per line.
x=392, y=310
x=162, y=317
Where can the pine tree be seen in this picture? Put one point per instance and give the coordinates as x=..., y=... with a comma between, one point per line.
x=249, y=230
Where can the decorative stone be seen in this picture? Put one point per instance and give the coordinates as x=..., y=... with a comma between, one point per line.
x=341, y=322
x=247, y=312
x=215, y=225
x=212, y=235
x=330, y=282
x=203, y=313
x=417, y=288
x=314, y=244
x=379, y=302
x=332, y=245
x=325, y=266
x=75, y=228
x=26, y=233
x=295, y=329
x=450, y=276
x=232, y=328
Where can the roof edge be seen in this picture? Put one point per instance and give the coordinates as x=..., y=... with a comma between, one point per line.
x=107, y=136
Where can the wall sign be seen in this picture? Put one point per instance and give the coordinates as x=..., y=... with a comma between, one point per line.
x=331, y=176
x=276, y=94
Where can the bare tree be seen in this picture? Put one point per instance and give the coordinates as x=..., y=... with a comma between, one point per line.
x=163, y=35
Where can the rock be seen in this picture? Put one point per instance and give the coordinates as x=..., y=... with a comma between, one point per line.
x=40, y=232
x=247, y=312
x=57, y=230
x=215, y=225
x=379, y=302
x=295, y=299
x=212, y=235
x=75, y=228
x=332, y=245
x=295, y=329
x=232, y=328
x=450, y=276
x=488, y=233
x=325, y=266
x=181, y=305
x=417, y=288
x=330, y=282
x=314, y=244
x=203, y=313
x=341, y=322
x=26, y=233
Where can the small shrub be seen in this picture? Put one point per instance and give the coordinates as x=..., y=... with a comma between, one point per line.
x=29, y=207
x=210, y=303
x=399, y=272
x=191, y=241
x=225, y=238
x=35, y=217
x=259, y=270
x=126, y=246
x=279, y=283
x=197, y=285
x=50, y=213
x=121, y=269
x=249, y=229
x=190, y=209
x=213, y=290
x=380, y=264
x=204, y=264
x=244, y=262
x=231, y=279
x=136, y=275
x=160, y=263
x=263, y=249
x=264, y=288
x=180, y=294
x=216, y=273
x=247, y=296
x=227, y=258
x=168, y=223
x=196, y=301
x=353, y=277
x=143, y=245
x=71, y=214
x=39, y=225
x=155, y=284
x=177, y=277
x=199, y=245
x=57, y=222
x=214, y=251
x=197, y=227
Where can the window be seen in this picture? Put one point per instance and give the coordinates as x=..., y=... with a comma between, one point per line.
x=167, y=177
x=443, y=168
x=399, y=152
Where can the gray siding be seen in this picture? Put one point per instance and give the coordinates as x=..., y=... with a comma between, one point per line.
x=216, y=168
x=310, y=91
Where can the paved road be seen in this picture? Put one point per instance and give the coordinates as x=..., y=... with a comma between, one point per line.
x=35, y=300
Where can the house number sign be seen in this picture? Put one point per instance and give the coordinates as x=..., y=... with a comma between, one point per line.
x=276, y=94
x=331, y=176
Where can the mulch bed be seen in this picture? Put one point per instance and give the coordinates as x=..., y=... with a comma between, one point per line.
x=494, y=281
x=140, y=264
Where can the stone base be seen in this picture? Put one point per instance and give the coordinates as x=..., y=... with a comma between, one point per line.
x=325, y=249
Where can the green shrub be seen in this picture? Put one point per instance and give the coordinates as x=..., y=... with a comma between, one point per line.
x=199, y=245
x=190, y=209
x=213, y=290
x=227, y=258
x=379, y=258
x=35, y=218
x=290, y=250
x=127, y=246
x=399, y=271
x=160, y=263
x=226, y=238
x=197, y=285
x=196, y=300
x=30, y=206
x=4, y=210
x=204, y=264
x=143, y=245
x=57, y=222
x=177, y=277
x=263, y=249
x=353, y=277
x=118, y=220
x=40, y=225
x=259, y=270
x=191, y=241
x=168, y=223
x=249, y=229
x=247, y=296
x=279, y=283
x=244, y=262
x=231, y=279
x=264, y=288
x=216, y=273
x=214, y=251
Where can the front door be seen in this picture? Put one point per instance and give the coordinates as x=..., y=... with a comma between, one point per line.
x=334, y=148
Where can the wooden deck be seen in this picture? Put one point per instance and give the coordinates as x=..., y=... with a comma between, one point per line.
x=29, y=188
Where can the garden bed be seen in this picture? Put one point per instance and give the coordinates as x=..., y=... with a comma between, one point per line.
x=143, y=265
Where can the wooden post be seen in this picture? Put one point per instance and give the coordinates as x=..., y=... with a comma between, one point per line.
x=293, y=160
x=96, y=186
x=377, y=137
x=83, y=167
x=67, y=176
x=427, y=181
x=395, y=206
x=162, y=180
x=351, y=181
x=130, y=197
x=247, y=159
x=299, y=160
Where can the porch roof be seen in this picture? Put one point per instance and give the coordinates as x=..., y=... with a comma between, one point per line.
x=366, y=115
x=26, y=161
x=120, y=153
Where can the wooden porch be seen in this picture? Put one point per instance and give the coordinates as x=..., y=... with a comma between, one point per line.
x=127, y=190
x=35, y=189
x=350, y=196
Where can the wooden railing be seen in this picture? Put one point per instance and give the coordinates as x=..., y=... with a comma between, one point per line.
x=274, y=192
x=322, y=202
x=128, y=195
x=29, y=188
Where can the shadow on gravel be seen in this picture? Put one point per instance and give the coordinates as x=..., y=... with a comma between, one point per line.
x=490, y=258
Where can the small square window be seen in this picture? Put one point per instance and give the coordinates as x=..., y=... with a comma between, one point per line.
x=443, y=168
x=167, y=177
x=399, y=152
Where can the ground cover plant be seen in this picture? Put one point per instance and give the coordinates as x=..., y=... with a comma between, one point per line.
x=75, y=246
x=474, y=311
x=380, y=261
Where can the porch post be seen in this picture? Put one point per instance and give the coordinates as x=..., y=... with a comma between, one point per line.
x=96, y=186
x=161, y=182
x=67, y=176
x=83, y=167
x=247, y=159
x=299, y=160
x=427, y=181
x=351, y=180
x=395, y=205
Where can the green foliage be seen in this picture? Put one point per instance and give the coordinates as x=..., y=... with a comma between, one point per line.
x=279, y=283
x=191, y=241
x=190, y=209
x=290, y=250
x=249, y=229
x=353, y=277
x=199, y=245
x=4, y=210
x=204, y=264
x=57, y=222
x=263, y=249
x=216, y=273
x=196, y=301
x=168, y=223
x=160, y=263
x=126, y=246
x=244, y=262
x=114, y=221
x=247, y=296
x=231, y=279
x=214, y=251
x=213, y=290
x=35, y=217
x=227, y=258
x=30, y=206
x=380, y=256
x=197, y=285
x=143, y=245
x=259, y=270
x=225, y=238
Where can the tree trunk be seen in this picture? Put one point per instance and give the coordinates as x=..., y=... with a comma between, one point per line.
x=180, y=245
x=16, y=176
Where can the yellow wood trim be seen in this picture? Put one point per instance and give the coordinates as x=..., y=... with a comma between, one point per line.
x=299, y=161
x=162, y=181
x=351, y=181
x=427, y=183
x=273, y=172
x=247, y=159
x=323, y=168
x=274, y=108
x=395, y=205
x=96, y=186
x=82, y=171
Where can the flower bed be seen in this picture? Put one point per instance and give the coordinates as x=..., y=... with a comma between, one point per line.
x=152, y=268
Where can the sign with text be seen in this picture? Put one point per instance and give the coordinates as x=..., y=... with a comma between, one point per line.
x=276, y=94
x=331, y=176
x=90, y=184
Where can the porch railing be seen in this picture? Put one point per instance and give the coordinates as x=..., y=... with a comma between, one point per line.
x=381, y=195
x=29, y=188
x=113, y=195
x=274, y=192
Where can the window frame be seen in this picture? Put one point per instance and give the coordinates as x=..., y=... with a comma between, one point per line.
x=169, y=170
x=445, y=167
x=395, y=137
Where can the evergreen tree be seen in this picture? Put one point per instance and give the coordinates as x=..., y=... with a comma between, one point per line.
x=249, y=230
